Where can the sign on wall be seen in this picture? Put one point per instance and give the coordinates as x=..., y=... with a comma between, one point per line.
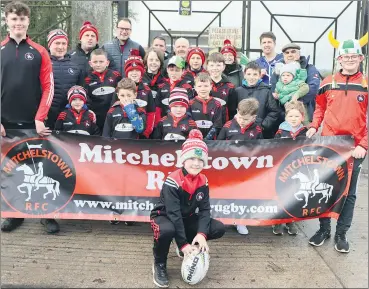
x=217, y=35
x=185, y=8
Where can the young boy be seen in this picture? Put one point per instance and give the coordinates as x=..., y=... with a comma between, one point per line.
x=222, y=89
x=175, y=68
x=134, y=69
x=177, y=124
x=291, y=128
x=100, y=85
x=196, y=60
x=269, y=112
x=183, y=210
x=125, y=119
x=205, y=110
x=76, y=118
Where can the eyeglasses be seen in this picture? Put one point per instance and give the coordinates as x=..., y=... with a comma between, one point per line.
x=124, y=29
x=293, y=51
x=348, y=57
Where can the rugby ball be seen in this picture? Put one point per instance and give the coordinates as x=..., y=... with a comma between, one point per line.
x=195, y=267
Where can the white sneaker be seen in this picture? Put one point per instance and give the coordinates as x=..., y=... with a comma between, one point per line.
x=242, y=229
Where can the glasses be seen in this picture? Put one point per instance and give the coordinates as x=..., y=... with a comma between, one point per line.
x=124, y=29
x=290, y=52
x=348, y=57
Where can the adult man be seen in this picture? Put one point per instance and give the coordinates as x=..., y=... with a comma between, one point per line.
x=66, y=73
x=270, y=57
x=89, y=37
x=160, y=43
x=119, y=48
x=181, y=48
x=291, y=53
x=27, y=81
x=341, y=104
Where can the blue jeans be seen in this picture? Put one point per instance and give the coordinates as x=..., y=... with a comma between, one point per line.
x=345, y=219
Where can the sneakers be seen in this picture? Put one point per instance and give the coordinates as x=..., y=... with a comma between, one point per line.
x=320, y=236
x=291, y=229
x=11, y=224
x=114, y=222
x=341, y=243
x=278, y=229
x=179, y=253
x=242, y=229
x=128, y=223
x=51, y=226
x=160, y=275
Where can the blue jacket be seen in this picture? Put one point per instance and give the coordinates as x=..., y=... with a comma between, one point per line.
x=313, y=80
x=268, y=66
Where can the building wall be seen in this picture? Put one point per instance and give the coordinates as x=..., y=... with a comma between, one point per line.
x=299, y=29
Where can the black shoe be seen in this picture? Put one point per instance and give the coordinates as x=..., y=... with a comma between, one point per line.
x=128, y=224
x=10, y=224
x=341, y=243
x=291, y=229
x=160, y=275
x=114, y=222
x=320, y=236
x=278, y=229
x=51, y=226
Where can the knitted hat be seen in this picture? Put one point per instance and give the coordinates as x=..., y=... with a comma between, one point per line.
x=77, y=91
x=196, y=50
x=134, y=61
x=56, y=34
x=290, y=68
x=177, y=61
x=229, y=48
x=194, y=147
x=87, y=26
x=178, y=96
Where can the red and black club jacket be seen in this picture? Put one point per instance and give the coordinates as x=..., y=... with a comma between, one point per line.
x=224, y=91
x=174, y=128
x=181, y=195
x=162, y=97
x=27, y=82
x=232, y=131
x=145, y=100
x=153, y=81
x=285, y=131
x=82, y=122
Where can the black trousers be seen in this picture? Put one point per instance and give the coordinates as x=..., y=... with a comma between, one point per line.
x=164, y=232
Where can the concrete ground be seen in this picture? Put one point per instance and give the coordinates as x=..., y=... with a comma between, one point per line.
x=94, y=254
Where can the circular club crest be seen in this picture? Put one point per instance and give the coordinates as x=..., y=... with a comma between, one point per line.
x=199, y=196
x=310, y=180
x=38, y=177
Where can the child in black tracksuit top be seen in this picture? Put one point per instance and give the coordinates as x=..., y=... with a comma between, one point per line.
x=178, y=123
x=183, y=209
x=125, y=120
x=100, y=85
x=291, y=128
x=205, y=110
x=76, y=118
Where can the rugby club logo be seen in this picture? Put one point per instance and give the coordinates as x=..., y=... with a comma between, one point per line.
x=38, y=177
x=313, y=176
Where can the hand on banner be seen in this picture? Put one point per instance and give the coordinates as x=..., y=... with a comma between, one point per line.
x=359, y=152
x=311, y=132
x=41, y=129
x=203, y=245
x=188, y=250
x=3, y=132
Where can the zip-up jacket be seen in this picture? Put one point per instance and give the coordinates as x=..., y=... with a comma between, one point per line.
x=232, y=131
x=224, y=92
x=82, y=122
x=189, y=75
x=153, y=81
x=124, y=122
x=27, y=82
x=162, y=97
x=208, y=116
x=234, y=73
x=174, y=128
x=100, y=89
x=285, y=131
x=343, y=109
x=181, y=195
x=268, y=66
x=146, y=101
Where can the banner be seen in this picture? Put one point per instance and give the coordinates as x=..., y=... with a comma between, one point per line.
x=185, y=8
x=217, y=35
x=260, y=182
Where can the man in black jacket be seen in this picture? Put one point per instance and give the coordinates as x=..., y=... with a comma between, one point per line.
x=252, y=86
x=66, y=73
x=89, y=37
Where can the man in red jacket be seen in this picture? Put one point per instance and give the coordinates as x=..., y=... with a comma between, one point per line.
x=342, y=103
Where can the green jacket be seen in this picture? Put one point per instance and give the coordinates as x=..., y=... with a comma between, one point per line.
x=296, y=87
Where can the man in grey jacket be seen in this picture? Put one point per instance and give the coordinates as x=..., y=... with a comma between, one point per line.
x=120, y=47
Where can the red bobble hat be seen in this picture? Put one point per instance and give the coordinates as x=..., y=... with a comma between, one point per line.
x=195, y=147
x=134, y=61
x=87, y=26
x=77, y=91
x=196, y=50
x=178, y=96
x=56, y=34
x=229, y=48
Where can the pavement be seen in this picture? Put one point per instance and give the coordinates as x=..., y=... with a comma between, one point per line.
x=95, y=254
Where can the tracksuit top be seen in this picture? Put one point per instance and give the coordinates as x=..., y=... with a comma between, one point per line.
x=232, y=131
x=174, y=128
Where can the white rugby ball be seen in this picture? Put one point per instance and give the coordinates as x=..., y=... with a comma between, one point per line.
x=195, y=267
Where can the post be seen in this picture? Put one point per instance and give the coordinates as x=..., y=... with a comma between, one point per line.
x=122, y=9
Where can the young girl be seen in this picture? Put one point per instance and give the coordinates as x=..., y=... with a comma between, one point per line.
x=183, y=210
x=154, y=63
